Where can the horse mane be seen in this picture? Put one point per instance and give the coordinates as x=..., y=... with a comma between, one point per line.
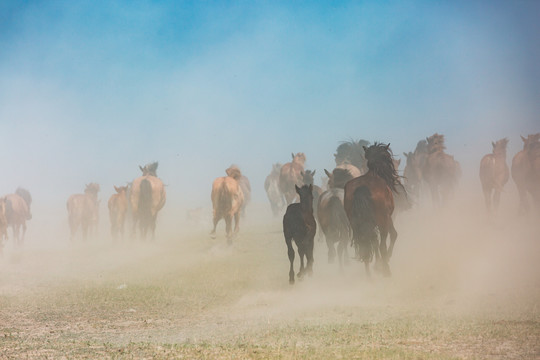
x=234, y=172
x=351, y=152
x=380, y=161
x=25, y=194
x=151, y=169
x=341, y=177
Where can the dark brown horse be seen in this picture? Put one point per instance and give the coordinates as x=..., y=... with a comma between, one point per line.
x=18, y=212
x=440, y=170
x=147, y=198
x=83, y=210
x=332, y=218
x=290, y=176
x=494, y=174
x=526, y=171
x=245, y=186
x=299, y=225
x=227, y=199
x=369, y=204
x=271, y=186
x=118, y=205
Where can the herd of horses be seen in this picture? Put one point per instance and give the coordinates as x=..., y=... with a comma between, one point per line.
x=355, y=207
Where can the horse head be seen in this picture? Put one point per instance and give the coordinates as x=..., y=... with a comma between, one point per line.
x=234, y=172
x=299, y=158
x=308, y=176
x=499, y=147
x=435, y=143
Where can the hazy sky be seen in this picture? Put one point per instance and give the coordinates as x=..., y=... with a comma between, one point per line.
x=90, y=90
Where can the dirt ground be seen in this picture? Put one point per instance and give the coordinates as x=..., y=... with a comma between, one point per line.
x=465, y=285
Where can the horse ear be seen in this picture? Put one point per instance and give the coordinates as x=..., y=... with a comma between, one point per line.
x=292, y=154
x=388, y=146
x=492, y=144
x=297, y=188
x=140, y=167
x=327, y=173
x=427, y=139
x=302, y=173
x=406, y=155
x=313, y=173
x=116, y=189
x=365, y=148
x=522, y=138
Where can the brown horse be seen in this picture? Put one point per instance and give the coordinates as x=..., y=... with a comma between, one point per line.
x=271, y=186
x=227, y=200
x=290, y=176
x=526, y=171
x=243, y=181
x=369, y=204
x=440, y=170
x=299, y=225
x=18, y=212
x=147, y=198
x=83, y=210
x=332, y=217
x=118, y=204
x=494, y=173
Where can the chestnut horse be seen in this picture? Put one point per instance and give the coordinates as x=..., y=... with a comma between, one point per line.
x=290, y=176
x=83, y=210
x=526, y=171
x=369, y=204
x=271, y=186
x=494, y=174
x=440, y=170
x=332, y=217
x=245, y=186
x=227, y=200
x=147, y=198
x=299, y=225
x=118, y=204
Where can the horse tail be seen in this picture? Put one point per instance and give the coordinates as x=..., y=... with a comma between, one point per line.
x=363, y=223
x=145, y=203
x=338, y=217
x=224, y=198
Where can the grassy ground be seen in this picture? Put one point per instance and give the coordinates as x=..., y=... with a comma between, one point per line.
x=187, y=296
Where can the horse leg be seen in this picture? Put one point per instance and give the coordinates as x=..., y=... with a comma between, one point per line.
x=393, y=237
x=342, y=253
x=301, y=253
x=309, y=257
x=153, y=226
x=216, y=219
x=228, y=228
x=23, y=232
x=496, y=198
x=487, y=197
x=523, y=202
x=384, y=251
x=290, y=252
x=331, y=249
x=236, y=222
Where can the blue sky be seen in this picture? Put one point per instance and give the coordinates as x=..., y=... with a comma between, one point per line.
x=90, y=90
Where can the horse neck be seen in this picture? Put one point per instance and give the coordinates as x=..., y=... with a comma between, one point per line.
x=306, y=206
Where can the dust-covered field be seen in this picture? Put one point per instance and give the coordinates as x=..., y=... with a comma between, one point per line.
x=464, y=285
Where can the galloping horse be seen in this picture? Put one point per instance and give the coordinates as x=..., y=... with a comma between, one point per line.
x=352, y=152
x=243, y=181
x=18, y=212
x=299, y=225
x=526, y=171
x=227, y=200
x=440, y=170
x=118, y=204
x=290, y=176
x=369, y=204
x=494, y=173
x=147, y=198
x=83, y=210
x=332, y=217
x=271, y=186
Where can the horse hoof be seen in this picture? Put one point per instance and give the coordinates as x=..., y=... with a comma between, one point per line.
x=291, y=282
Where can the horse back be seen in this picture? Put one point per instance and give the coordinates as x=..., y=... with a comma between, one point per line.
x=380, y=194
x=298, y=224
x=227, y=197
x=16, y=209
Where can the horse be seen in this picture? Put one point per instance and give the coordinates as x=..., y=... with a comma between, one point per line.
x=352, y=152
x=245, y=186
x=147, y=198
x=332, y=218
x=526, y=171
x=271, y=186
x=299, y=225
x=440, y=170
x=227, y=200
x=494, y=174
x=3, y=223
x=291, y=175
x=369, y=204
x=18, y=212
x=83, y=210
x=412, y=174
x=118, y=205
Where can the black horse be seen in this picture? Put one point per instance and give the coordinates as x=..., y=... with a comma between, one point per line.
x=299, y=225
